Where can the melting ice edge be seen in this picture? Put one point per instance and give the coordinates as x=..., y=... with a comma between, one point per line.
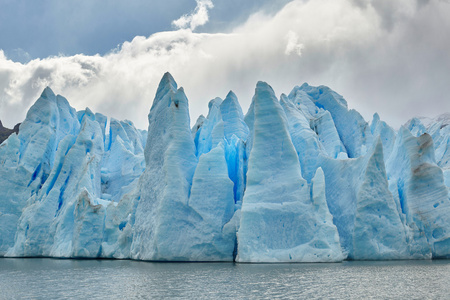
x=299, y=179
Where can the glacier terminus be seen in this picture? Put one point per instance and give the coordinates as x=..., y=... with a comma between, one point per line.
x=301, y=178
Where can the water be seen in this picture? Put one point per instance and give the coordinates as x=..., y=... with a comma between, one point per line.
x=109, y=279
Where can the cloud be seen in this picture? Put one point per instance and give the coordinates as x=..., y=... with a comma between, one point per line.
x=197, y=18
x=293, y=46
x=390, y=59
x=50, y=27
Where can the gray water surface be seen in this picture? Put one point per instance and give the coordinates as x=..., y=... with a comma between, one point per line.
x=115, y=279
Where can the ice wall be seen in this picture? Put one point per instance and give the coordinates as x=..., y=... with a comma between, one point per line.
x=302, y=178
x=278, y=219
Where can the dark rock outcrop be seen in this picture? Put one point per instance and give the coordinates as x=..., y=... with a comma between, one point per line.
x=6, y=132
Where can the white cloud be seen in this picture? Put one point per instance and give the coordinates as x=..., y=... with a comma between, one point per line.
x=197, y=18
x=293, y=46
x=390, y=69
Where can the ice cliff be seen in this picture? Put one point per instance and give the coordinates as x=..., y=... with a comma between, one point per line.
x=296, y=179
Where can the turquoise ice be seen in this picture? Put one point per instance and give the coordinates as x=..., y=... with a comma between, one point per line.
x=302, y=178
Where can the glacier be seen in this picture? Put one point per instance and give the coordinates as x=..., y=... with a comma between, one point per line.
x=299, y=178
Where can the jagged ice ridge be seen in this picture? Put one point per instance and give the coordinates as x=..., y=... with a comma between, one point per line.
x=297, y=179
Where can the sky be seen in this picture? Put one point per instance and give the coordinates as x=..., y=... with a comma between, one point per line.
x=390, y=57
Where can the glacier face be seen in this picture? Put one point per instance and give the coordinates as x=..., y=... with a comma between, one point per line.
x=296, y=179
x=282, y=218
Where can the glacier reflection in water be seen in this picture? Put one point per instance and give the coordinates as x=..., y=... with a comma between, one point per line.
x=113, y=279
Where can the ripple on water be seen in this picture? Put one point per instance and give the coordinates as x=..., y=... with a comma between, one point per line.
x=115, y=279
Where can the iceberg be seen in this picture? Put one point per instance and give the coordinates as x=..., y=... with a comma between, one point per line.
x=278, y=218
x=69, y=157
x=378, y=230
x=27, y=159
x=302, y=178
x=184, y=203
x=422, y=192
x=164, y=187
